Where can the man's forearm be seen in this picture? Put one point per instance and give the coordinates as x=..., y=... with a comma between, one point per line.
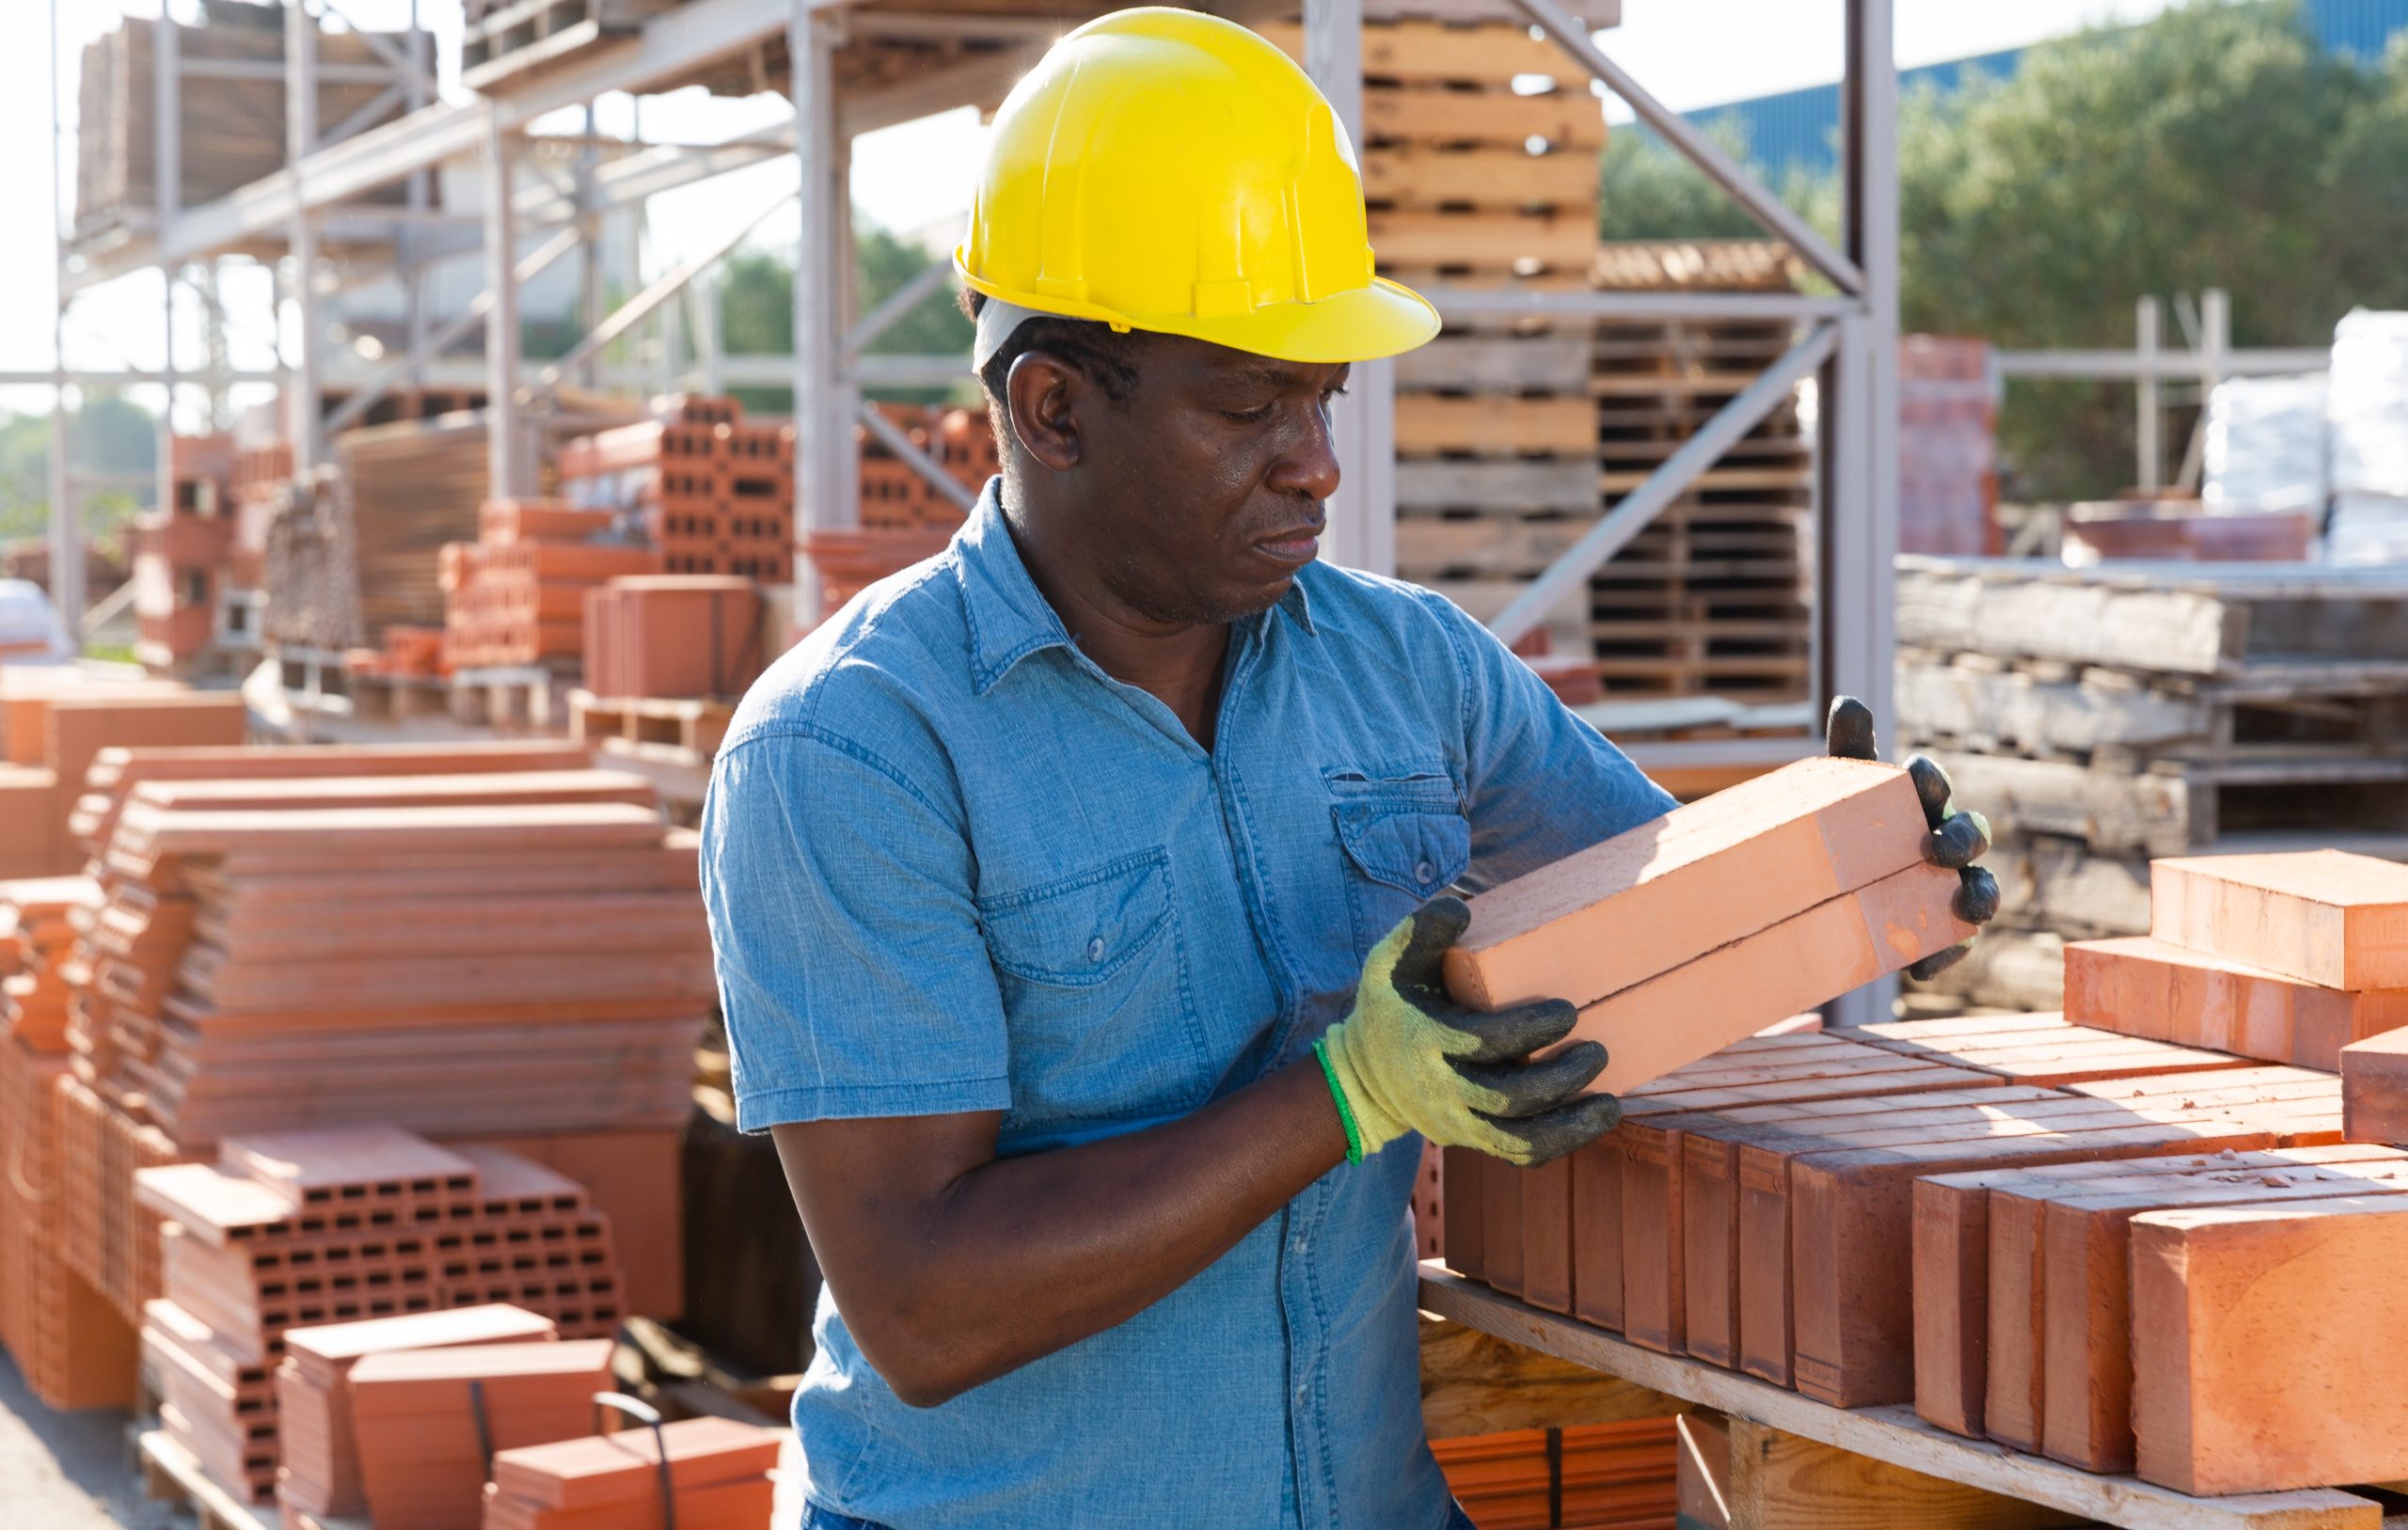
x=1015, y=1258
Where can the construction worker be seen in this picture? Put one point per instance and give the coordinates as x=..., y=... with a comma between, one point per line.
x=1078, y=894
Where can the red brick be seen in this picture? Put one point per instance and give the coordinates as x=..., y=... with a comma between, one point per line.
x=2323, y=916
x=2374, y=1089
x=2146, y=987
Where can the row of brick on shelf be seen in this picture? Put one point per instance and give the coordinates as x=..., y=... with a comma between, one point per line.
x=2110, y=1213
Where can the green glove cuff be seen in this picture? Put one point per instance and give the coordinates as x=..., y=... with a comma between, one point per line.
x=1345, y=1112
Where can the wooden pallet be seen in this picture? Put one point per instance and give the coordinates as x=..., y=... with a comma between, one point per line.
x=171, y=1474
x=510, y=42
x=1807, y=1463
x=693, y=726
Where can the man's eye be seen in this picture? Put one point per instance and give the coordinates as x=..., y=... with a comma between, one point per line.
x=1329, y=393
x=1249, y=416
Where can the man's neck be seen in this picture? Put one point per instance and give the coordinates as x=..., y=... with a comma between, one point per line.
x=1177, y=663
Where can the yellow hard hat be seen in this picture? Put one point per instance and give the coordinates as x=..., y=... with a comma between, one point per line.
x=1167, y=170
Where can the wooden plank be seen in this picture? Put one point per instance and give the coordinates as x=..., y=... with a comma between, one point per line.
x=1890, y=1434
x=1563, y=240
x=1782, y=1481
x=1489, y=545
x=2107, y=809
x=1425, y=50
x=1547, y=363
x=1565, y=120
x=2016, y=712
x=1474, y=1382
x=1568, y=485
x=1495, y=425
x=1420, y=176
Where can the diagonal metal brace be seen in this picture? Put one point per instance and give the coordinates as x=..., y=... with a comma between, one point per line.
x=1671, y=478
x=892, y=436
x=1750, y=193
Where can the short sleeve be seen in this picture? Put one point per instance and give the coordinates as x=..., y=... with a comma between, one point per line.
x=851, y=970
x=1541, y=782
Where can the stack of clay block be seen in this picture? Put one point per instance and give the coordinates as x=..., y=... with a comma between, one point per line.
x=319, y=1474
x=308, y=1228
x=72, y=1349
x=1585, y=1476
x=51, y=727
x=718, y=1478
x=426, y=1419
x=673, y=635
x=460, y=959
x=1705, y=925
x=895, y=497
x=2287, y=958
x=517, y=595
x=1753, y=1208
x=713, y=491
x=180, y=555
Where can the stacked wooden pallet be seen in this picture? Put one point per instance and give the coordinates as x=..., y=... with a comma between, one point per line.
x=2102, y=715
x=297, y=1230
x=712, y=490
x=1479, y=169
x=232, y=130
x=72, y=1350
x=507, y=42
x=1713, y=597
x=201, y=999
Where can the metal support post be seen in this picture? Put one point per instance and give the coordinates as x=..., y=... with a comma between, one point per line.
x=2215, y=343
x=2149, y=323
x=1362, y=514
x=823, y=417
x=305, y=407
x=413, y=256
x=506, y=473
x=167, y=151
x=709, y=337
x=1858, y=617
x=588, y=232
x=66, y=519
x=605, y=330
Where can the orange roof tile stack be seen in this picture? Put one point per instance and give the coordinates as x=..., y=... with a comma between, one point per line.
x=319, y=1474
x=290, y=938
x=718, y=1479
x=425, y=1418
x=303, y=1229
x=72, y=1349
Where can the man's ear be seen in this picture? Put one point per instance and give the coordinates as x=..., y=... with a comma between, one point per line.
x=1043, y=396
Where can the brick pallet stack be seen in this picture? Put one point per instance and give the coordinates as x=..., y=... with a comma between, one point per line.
x=2102, y=715
x=181, y=556
x=1713, y=597
x=72, y=1350
x=517, y=595
x=1496, y=439
x=51, y=726
x=713, y=491
x=718, y=1474
x=460, y=962
x=904, y=519
x=297, y=1230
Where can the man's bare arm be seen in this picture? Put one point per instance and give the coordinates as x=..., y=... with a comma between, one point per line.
x=954, y=1267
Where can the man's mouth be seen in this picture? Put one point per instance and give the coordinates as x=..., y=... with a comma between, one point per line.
x=1294, y=544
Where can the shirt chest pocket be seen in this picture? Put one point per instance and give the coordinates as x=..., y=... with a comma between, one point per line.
x=1404, y=841
x=1096, y=995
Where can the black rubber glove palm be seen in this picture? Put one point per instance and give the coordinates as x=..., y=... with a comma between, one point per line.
x=1958, y=839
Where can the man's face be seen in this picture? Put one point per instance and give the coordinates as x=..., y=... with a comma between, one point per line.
x=1199, y=499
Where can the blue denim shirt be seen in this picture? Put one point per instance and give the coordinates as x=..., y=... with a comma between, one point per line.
x=952, y=865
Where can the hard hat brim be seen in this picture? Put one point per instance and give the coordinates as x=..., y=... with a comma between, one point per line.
x=1362, y=323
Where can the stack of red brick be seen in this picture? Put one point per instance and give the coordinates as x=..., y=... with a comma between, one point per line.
x=673, y=635
x=303, y=1229
x=51, y=726
x=295, y=938
x=516, y=594
x=718, y=1478
x=1587, y=1476
x=904, y=519
x=71, y=1347
x=181, y=556
x=425, y=1418
x=713, y=491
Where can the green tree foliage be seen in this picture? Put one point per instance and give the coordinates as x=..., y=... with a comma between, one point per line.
x=1645, y=190
x=2214, y=146
x=109, y=434
x=757, y=313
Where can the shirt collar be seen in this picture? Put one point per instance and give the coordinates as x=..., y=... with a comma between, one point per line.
x=1010, y=618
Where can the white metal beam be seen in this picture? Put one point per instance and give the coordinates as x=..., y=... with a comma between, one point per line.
x=891, y=435
x=363, y=398
x=304, y=401
x=897, y=304
x=634, y=311
x=507, y=473
x=2148, y=326
x=1701, y=307
x=1361, y=532
x=823, y=410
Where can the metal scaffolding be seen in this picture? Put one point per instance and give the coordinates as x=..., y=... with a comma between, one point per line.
x=1847, y=341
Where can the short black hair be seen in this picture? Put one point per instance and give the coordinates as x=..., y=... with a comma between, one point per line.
x=1106, y=356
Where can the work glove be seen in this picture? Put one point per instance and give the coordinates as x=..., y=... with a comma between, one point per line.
x=1407, y=1058
x=1958, y=839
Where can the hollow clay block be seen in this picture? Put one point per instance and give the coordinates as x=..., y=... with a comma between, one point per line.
x=2320, y=916
x=2145, y=987
x=2374, y=1089
x=1801, y=962
x=2265, y=1349
x=1701, y=876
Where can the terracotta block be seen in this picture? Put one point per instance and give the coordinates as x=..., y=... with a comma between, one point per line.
x=2321, y=915
x=1500, y=1222
x=350, y=1166
x=2145, y=987
x=1703, y=875
x=2265, y=1344
x=634, y=1179
x=2374, y=1089
x=1546, y=1235
x=624, y=1467
x=1465, y=1212
x=2041, y=1048
x=32, y=811
x=1804, y=961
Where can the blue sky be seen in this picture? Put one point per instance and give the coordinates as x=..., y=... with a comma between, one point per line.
x=907, y=177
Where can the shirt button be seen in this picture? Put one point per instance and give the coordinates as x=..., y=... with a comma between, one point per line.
x=1095, y=949
x=1425, y=873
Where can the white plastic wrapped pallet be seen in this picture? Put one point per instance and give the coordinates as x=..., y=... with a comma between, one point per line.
x=2266, y=445
x=2368, y=407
